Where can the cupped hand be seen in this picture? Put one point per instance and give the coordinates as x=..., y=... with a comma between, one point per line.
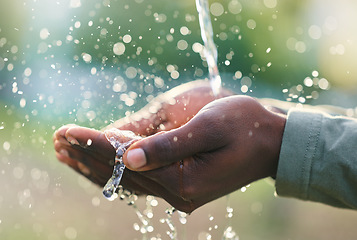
x=94, y=158
x=230, y=143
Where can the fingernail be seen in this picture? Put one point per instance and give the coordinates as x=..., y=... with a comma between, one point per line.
x=72, y=140
x=64, y=152
x=83, y=168
x=136, y=158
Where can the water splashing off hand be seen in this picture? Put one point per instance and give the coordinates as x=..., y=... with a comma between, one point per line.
x=121, y=141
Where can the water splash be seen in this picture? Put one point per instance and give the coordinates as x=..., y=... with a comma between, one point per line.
x=210, y=50
x=120, y=140
x=229, y=233
x=172, y=232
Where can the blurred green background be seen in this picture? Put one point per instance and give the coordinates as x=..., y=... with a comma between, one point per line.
x=93, y=62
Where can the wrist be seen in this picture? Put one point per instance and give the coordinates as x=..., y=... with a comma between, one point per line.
x=278, y=126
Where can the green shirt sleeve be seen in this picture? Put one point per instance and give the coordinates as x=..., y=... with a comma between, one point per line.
x=318, y=159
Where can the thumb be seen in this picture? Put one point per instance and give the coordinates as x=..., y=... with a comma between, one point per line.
x=172, y=146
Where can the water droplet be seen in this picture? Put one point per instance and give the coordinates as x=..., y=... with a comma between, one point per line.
x=131, y=72
x=91, y=115
x=75, y=3
x=10, y=67
x=197, y=47
x=93, y=71
x=300, y=47
x=119, y=48
x=70, y=233
x=270, y=3
x=204, y=236
x=25, y=198
x=6, y=146
x=14, y=49
x=251, y=24
x=136, y=227
x=22, y=102
x=18, y=172
x=86, y=57
x=127, y=38
x=184, y=30
x=244, y=89
x=234, y=7
x=150, y=228
x=160, y=18
x=77, y=24
x=315, y=32
x=323, y=84
x=182, y=217
x=103, y=32
x=28, y=72
x=229, y=234
x=154, y=203
x=216, y=9
x=175, y=74
x=44, y=33
x=182, y=44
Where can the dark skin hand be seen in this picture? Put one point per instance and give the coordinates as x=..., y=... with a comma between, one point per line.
x=169, y=110
x=228, y=144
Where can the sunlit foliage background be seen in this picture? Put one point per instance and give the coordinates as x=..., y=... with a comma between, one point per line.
x=91, y=62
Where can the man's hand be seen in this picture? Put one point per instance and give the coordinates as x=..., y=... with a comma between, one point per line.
x=189, y=158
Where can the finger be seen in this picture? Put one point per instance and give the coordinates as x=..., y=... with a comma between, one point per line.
x=60, y=133
x=137, y=183
x=63, y=157
x=71, y=155
x=80, y=168
x=169, y=177
x=103, y=166
x=201, y=134
x=86, y=145
x=90, y=139
x=61, y=142
x=68, y=156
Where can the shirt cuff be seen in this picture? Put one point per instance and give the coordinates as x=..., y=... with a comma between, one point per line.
x=299, y=147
